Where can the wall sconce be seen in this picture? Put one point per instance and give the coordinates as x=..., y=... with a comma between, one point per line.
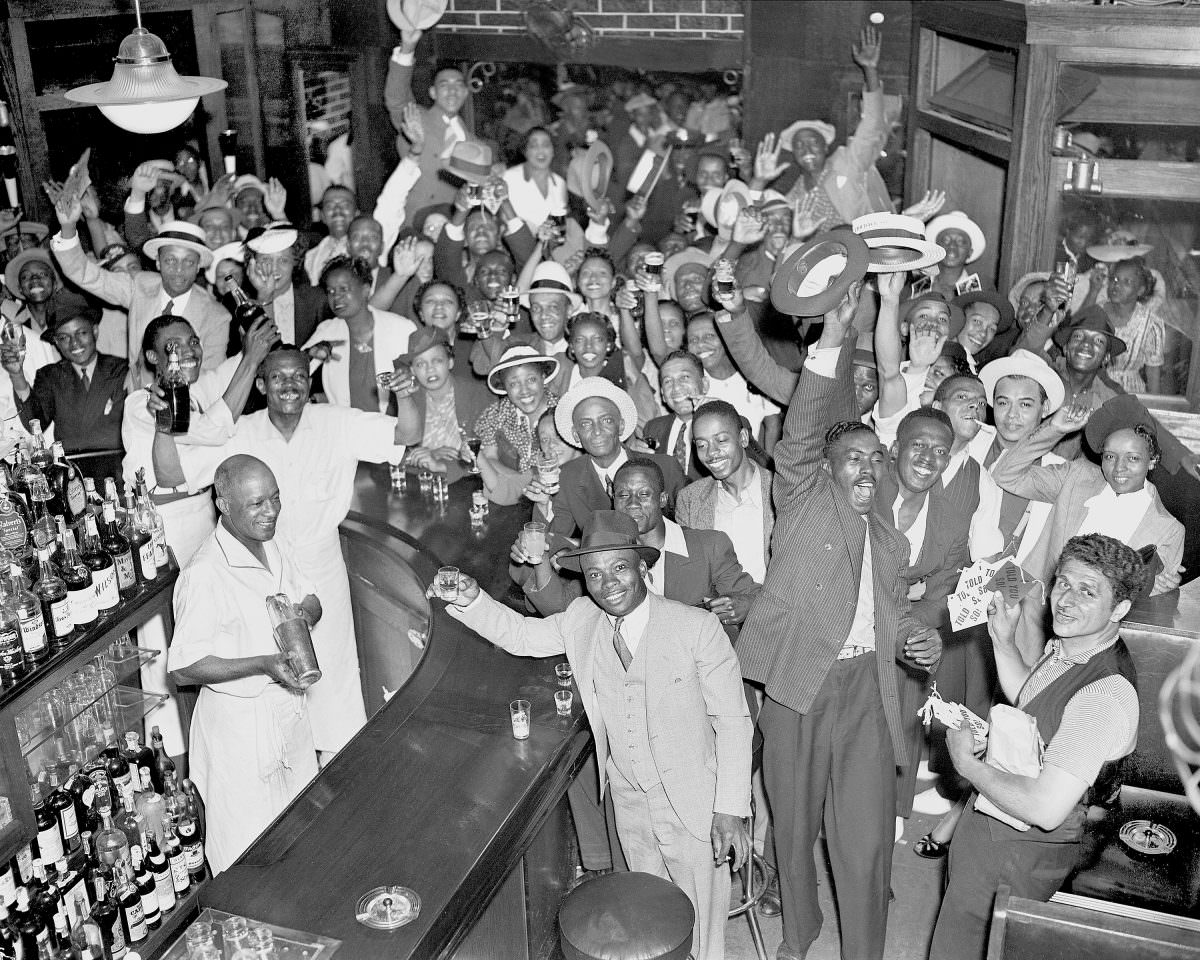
x=145, y=94
x=1083, y=176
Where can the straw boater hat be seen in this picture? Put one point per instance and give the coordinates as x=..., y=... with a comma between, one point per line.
x=673, y=263
x=1024, y=363
x=826, y=130
x=549, y=276
x=179, y=233
x=816, y=277
x=247, y=181
x=594, y=387
x=1094, y=318
x=470, y=160
x=12, y=272
x=229, y=251
x=1121, y=245
x=897, y=243
x=595, y=173
x=1018, y=288
x=957, y=220
x=607, y=530
x=519, y=356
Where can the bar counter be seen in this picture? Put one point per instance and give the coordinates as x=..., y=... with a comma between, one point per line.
x=434, y=793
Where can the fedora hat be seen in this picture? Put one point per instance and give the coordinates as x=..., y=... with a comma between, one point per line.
x=1094, y=318
x=415, y=14
x=816, y=277
x=519, y=356
x=179, y=233
x=570, y=89
x=469, y=160
x=424, y=339
x=234, y=214
x=606, y=530
x=957, y=220
x=596, y=173
x=1121, y=412
x=247, y=181
x=550, y=276
x=65, y=306
x=594, y=387
x=1007, y=314
x=897, y=243
x=273, y=238
x=1024, y=363
x=673, y=263
x=229, y=251
x=956, y=314
x=12, y=272
x=826, y=130
x=30, y=228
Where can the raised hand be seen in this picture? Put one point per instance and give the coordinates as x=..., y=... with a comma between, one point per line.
x=263, y=280
x=635, y=209
x=53, y=189
x=749, y=227
x=890, y=285
x=925, y=346
x=766, y=159
x=866, y=51
x=405, y=258
x=409, y=39
x=927, y=206
x=275, y=199
x=412, y=126
x=261, y=336
x=1072, y=416
x=89, y=203
x=145, y=178
x=805, y=221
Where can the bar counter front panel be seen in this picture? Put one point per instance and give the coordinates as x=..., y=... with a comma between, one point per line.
x=434, y=793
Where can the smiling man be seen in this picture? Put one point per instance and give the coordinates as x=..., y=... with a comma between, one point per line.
x=683, y=383
x=663, y=677
x=726, y=383
x=1082, y=694
x=826, y=638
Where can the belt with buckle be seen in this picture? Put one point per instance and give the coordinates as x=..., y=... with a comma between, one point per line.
x=852, y=651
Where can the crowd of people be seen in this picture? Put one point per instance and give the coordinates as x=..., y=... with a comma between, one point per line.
x=758, y=494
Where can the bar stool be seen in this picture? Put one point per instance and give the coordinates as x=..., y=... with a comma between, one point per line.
x=752, y=892
x=626, y=916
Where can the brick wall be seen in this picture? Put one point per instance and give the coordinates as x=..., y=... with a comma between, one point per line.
x=678, y=19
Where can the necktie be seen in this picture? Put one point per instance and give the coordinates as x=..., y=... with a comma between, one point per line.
x=169, y=308
x=608, y=486
x=85, y=380
x=680, y=451
x=619, y=644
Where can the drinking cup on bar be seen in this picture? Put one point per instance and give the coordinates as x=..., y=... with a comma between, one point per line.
x=564, y=673
x=518, y=712
x=562, y=702
x=533, y=539
x=447, y=583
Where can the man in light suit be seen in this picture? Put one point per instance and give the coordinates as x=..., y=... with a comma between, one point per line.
x=824, y=638
x=442, y=123
x=663, y=677
x=180, y=252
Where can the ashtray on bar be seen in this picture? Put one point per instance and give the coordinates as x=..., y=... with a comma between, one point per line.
x=386, y=908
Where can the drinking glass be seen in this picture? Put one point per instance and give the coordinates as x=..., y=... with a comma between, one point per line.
x=14, y=333
x=548, y=472
x=447, y=583
x=564, y=673
x=474, y=445
x=533, y=539
x=562, y=702
x=518, y=712
x=425, y=479
x=235, y=934
x=198, y=935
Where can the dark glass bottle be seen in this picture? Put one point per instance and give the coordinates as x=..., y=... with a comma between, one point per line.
x=68, y=496
x=107, y=915
x=46, y=900
x=103, y=570
x=12, y=654
x=117, y=547
x=144, y=879
x=81, y=588
x=34, y=933
x=161, y=869
x=49, y=836
x=131, y=905
x=63, y=805
x=51, y=591
x=245, y=311
x=163, y=766
x=176, y=417
x=11, y=947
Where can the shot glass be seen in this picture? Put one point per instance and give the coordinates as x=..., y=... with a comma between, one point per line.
x=518, y=712
x=533, y=539
x=562, y=702
x=425, y=478
x=396, y=471
x=564, y=673
x=446, y=584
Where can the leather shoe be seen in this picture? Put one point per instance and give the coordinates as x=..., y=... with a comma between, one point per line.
x=931, y=849
x=768, y=903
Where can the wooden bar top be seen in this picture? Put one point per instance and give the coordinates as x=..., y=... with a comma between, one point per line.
x=434, y=793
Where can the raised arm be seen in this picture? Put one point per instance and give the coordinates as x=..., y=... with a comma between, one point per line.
x=503, y=626
x=114, y=288
x=1018, y=471
x=893, y=392
x=871, y=133
x=397, y=90
x=747, y=350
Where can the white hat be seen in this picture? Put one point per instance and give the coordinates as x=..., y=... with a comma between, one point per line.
x=826, y=130
x=247, y=181
x=897, y=243
x=594, y=387
x=550, y=276
x=957, y=220
x=1018, y=288
x=275, y=237
x=1024, y=363
x=415, y=14
x=639, y=100
x=228, y=251
x=179, y=233
x=680, y=259
x=519, y=356
x=1119, y=245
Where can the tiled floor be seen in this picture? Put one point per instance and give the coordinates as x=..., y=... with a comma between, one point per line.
x=917, y=884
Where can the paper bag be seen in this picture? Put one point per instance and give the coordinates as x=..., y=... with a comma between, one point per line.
x=1014, y=746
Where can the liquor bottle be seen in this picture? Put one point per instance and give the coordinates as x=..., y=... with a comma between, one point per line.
x=141, y=540
x=163, y=765
x=129, y=821
x=14, y=519
x=144, y=880
x=103, y=570
x=191, y=837
x=68, y=495
x=176, y=417
x=49, y=836
x=22, y=468
x=195, y=807
x=34, y=641
x=161, y=870
x=11, y=947
x=23, y=860
x=12, y=654
x=246, y=311
x=81, y=588
x=46, y=899
x=117, y=547
x=63, y=805
x=173, y=850
x=119, y=773
x=130, y=899
x=111, y=844
x=39, y=453
x=51, y=592
x=82, y=790
x=107, y=914
x=73, y=890
x=152, y=522
x=175, y=803
x=138, y=755
x=95, y=503
x=33, y=929
x=151, y=805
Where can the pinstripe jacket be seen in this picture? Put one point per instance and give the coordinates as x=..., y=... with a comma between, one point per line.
x=800, y=621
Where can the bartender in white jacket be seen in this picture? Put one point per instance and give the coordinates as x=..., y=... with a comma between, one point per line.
x=251, y=745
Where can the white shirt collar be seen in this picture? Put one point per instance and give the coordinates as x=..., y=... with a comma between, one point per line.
x=607, y=473
x=633, y=624
x=180, y=302
x=752, y=494
x=89, y=370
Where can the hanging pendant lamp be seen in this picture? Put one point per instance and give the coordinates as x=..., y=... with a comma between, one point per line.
x=145, y=94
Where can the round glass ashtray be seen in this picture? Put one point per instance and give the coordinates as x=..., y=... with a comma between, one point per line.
x=1147, y=838
x=386, y=908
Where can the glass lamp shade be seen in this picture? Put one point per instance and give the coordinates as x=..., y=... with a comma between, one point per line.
x=145, y=94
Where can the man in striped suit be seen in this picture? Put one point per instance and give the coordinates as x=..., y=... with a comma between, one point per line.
x=828, y=637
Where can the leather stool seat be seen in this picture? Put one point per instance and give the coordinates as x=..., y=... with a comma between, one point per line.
x=626, y=916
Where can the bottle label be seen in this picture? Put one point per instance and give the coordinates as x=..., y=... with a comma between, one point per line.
x=25, y=864
x=68, y=822
x=147, y=561
x=126, y=572
x=118, y=938
x=150, y=905
x=50, y=846
x=160, y=548
x=60, y=614
x=13, y=532
x=12, y=655
x=179, y=873
x=135, y=920
x=105, y=583
x=83, y=605
x=33, y=633
x=193, y=854
x=76, y=496
x=164, y=888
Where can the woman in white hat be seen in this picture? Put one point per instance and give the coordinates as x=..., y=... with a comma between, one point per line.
x=963, y=240
x=507, y=429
